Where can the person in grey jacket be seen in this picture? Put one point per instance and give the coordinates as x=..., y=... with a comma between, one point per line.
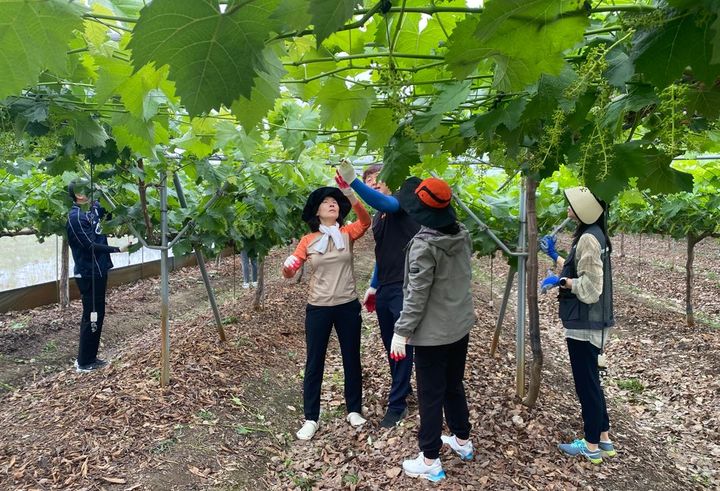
x=436, y=319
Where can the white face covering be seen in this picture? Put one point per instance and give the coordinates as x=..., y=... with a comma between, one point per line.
x=328, y=233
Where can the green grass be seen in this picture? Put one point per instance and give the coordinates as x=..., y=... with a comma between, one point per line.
x=631, y=384
x=50, y=347
x=206, y=415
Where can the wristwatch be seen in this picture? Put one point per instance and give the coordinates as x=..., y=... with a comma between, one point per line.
x=563, y=281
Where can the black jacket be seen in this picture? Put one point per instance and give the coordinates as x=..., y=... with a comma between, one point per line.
x=89, y=246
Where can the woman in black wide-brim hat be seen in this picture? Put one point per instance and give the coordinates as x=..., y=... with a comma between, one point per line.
x=436, y=319
x=586, y=311
x=333, y=300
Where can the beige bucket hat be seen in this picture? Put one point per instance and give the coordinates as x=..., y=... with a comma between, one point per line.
x=584, y=203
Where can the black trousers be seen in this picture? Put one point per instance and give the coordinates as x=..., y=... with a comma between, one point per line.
x=319, y=322
x=440, y=371
x=388, y=305
x=92, y=292
x=584, y=363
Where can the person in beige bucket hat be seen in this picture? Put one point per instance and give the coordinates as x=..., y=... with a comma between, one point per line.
x=586, y=311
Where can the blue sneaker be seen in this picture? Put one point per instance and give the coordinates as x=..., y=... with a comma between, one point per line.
x=579, y=447
x=418, y=468
x=607, y=448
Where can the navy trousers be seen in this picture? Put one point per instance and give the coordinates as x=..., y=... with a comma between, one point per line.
x=584, y=363
x=319, y=322
x=388, y=305
x=92, y=298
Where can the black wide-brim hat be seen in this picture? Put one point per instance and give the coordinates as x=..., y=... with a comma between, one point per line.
x=421, y=213
x=317, y=197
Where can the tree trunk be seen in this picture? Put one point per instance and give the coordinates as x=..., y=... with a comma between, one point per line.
x=63, y=284
x=690, y=279
x=532, y=296
x=260, y=290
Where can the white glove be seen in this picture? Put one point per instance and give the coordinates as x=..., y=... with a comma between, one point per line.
x=291, y=265
x=125, y=247
x=397, y=347
x=346, y=170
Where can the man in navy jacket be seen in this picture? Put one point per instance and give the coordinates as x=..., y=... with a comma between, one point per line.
x=91, y=254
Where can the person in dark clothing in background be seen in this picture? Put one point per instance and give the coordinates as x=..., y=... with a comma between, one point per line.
x=91, y=254
x=392, y=229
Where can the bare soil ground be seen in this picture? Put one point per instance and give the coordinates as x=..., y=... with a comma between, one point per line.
x=227, y=420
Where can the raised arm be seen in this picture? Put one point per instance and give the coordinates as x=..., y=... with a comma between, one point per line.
x=376, y=199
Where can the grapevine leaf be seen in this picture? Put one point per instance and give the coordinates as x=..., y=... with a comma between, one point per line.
x=548, y=94
x=660, y=178
x=112, y=73
x=400, y=154
x=34, y=36
x=450, y=98
x=292, y=15
x=144, y=90
x=526, y=38
x=329, y=15
x=340, y=106
x=265, y=90
x=639, y=97
x=88, y=132
x=213, y=56
x=380, y=126
x=620, y=68
x=663, y=54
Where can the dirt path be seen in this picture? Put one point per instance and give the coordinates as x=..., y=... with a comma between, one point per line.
x=228, y=419
x=43, y=341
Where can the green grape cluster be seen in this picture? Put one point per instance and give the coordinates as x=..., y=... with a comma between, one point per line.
x=391, y=83
x=643, y=20
x=673, y=129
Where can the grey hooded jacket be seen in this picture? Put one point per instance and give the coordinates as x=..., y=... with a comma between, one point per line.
x=437, y=303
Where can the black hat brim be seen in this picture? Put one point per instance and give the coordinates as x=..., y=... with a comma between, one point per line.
x=421, y=213
x=316, y=197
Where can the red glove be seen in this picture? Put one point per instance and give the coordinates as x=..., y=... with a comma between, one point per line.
x=290, y=266
x=369, y=299
x=344, y=186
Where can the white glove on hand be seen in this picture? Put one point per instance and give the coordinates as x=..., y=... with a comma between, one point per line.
x=125, y=247
x=346, y=170
x=291, y=265
x=397, y=347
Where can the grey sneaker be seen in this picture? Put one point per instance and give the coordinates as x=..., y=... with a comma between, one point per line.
x=91, y=367
x=464, y=451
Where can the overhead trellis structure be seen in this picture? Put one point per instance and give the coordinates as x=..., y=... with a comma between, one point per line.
x=613, y=89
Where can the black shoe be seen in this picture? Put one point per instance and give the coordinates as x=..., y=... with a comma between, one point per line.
x=91, y=367
x=392, y=418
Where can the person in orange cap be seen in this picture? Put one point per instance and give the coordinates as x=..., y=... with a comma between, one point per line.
x=436, y=319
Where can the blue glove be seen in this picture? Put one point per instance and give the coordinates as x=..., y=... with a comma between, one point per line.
x=549, y=282
x=547, y=245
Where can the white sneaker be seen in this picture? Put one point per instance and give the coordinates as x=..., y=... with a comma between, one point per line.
x=307, y=431
x=464, y=451
x=246, y=285
x=355, y=419
x=418, y=468
x=254, y=284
